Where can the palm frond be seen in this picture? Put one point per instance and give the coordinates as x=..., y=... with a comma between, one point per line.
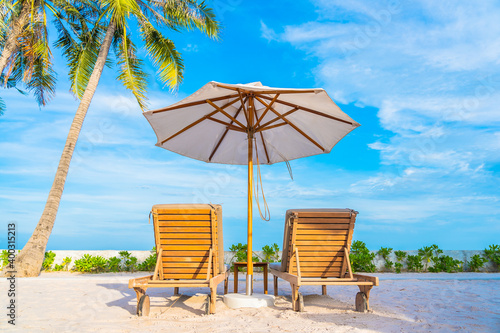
x=120, y=10
x=80, y=48
x=43, y=81
x=163, y=54
x=191, y=14
x=130, y=73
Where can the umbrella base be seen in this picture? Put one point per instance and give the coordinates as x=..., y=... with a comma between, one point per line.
x=236, y=301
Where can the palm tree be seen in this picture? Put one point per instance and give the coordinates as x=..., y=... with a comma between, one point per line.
x=26, y=56
x=86, y=71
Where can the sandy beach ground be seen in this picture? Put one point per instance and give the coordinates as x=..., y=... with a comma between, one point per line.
x=67, y=302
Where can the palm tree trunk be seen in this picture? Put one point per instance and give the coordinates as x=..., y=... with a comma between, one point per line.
x=12, y=43
x=29, y=262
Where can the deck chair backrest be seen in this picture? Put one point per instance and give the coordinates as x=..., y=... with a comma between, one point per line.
x=185, y=233
x=320, y=236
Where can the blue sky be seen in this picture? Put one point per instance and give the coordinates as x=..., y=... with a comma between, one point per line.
x=422, y=77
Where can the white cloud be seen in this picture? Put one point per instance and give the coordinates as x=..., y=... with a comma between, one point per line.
x=267, y=33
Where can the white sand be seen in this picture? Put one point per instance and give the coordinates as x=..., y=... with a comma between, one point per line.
x=64, y=302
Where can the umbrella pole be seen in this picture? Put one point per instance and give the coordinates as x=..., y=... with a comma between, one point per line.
x=250, y=201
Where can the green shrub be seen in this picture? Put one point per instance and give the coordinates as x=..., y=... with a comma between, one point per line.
x=446, y=264
x=64, y=265
x=241, y=255
x=384, y=252
x=400, y=256
x=414, y=263
x=476, y=262
x=4, y=259
x=271, y=253
x=428, y=253
x=150, y=263
x=48, y=261
x=129, y=262
x=90, y=264
x=361, y=258
x=493, y=253
x=113, y=264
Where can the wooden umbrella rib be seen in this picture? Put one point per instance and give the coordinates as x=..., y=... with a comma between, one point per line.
x=194, y=103
x=265, y=148
x=277, y=118
x=293, y=125
x=228, y=125
x=198, y=121
x=189, y=126
x=224, y=135
x=266, y=110
x=225, y=113
x=262, y=129
x=310, y=110
x=242, y=102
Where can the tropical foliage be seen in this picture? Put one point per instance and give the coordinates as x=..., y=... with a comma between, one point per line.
x=26, y=58
x=361, y=258
x=384, y=252
x=87, y=48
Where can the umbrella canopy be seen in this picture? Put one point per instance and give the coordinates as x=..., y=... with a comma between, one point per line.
x=212, y=124
x=236, y=123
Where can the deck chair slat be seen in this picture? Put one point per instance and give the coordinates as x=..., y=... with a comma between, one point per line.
x=323, y=226
x=324, y=214
x=185, y=259
x=191, y=235
x=303, y=243
x=186, y=264
x=161, y=211
x=302, y=237
x=324, y=220
x=321, y=232
x=325, y=250
x=323, y=265
x=319, y=274
x=185, y=254
x=305, y=258
x=184, y=270
x=185, y=229
x=178, y=247
x=184, y=223
x=171, y=241
x=165, y=217
x=196, y=276
x=325, y=269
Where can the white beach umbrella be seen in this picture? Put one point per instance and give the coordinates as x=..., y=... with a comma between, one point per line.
x=237, y=123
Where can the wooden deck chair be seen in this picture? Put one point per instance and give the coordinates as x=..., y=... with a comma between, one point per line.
x=190, y=252
x=316, y=249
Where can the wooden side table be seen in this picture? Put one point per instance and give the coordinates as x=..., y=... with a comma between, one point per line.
x=255, y=264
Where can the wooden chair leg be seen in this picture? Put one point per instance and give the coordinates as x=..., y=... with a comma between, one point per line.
x=213, y=298
x=139, y=292
x=323, y=292
x=275, y=285
x=226, y=284
x=366, y=291
x=235, y=279
x=176, y=291
x=295, y=297
x=265, y=279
